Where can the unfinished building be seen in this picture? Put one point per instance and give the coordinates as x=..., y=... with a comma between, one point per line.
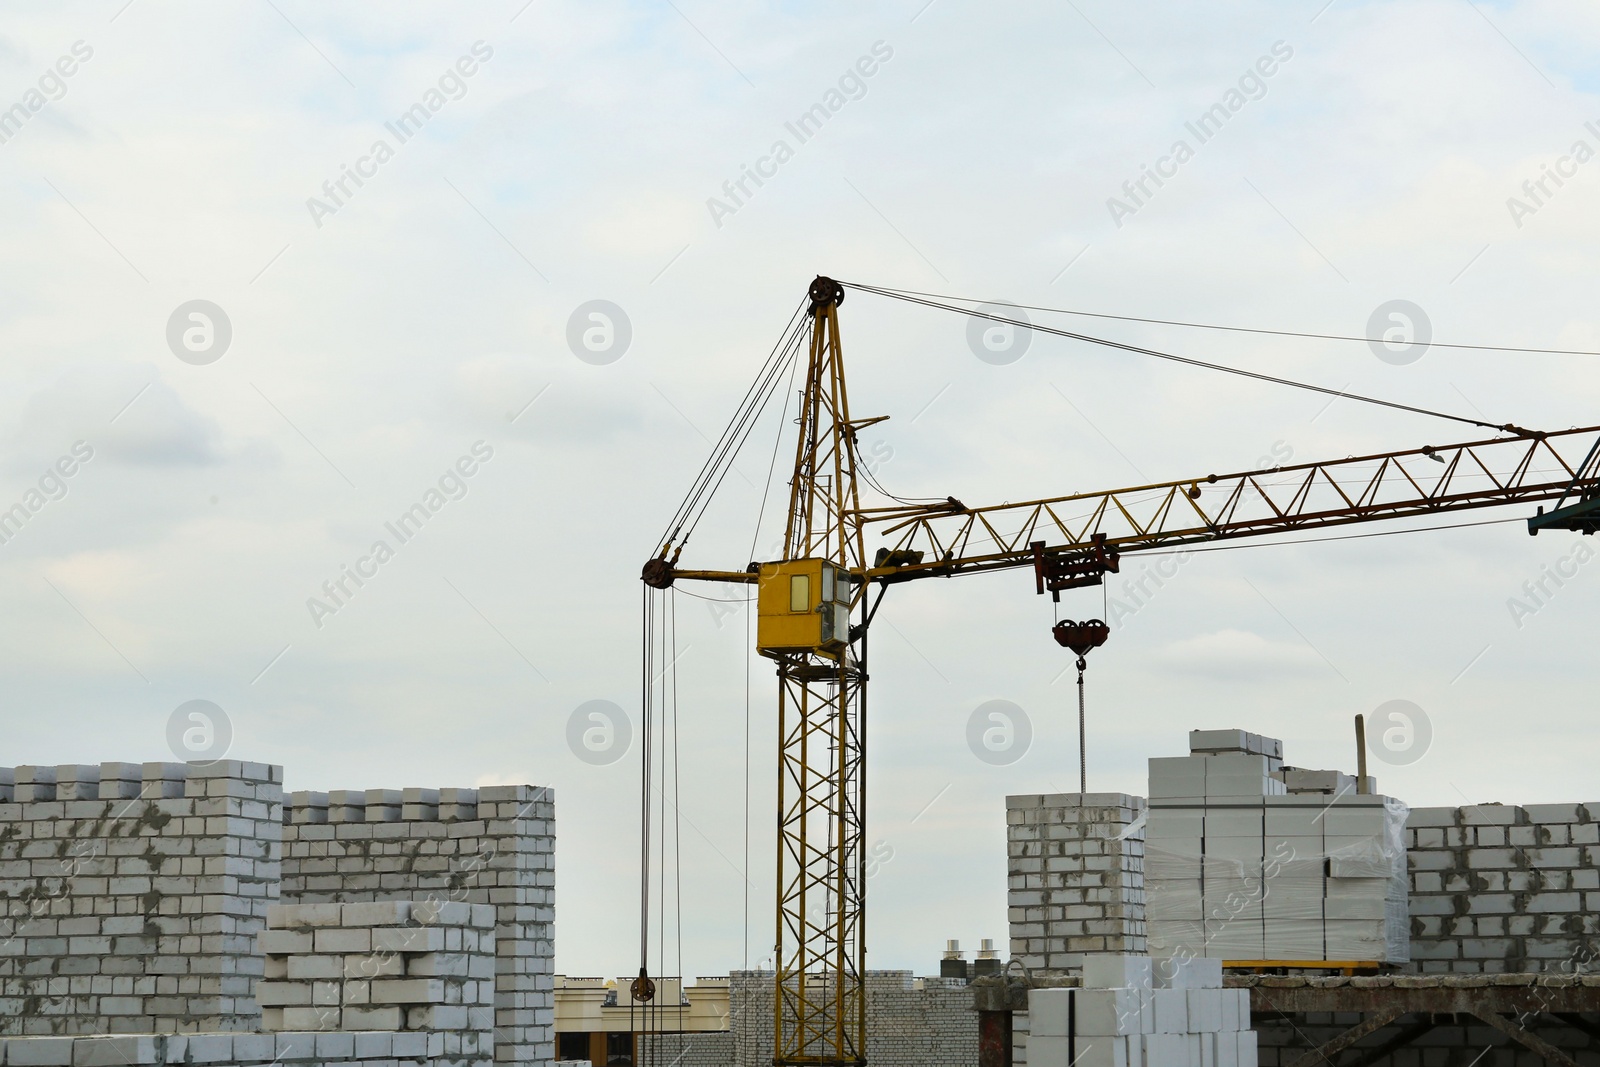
x=171, y=913
x=1500, y=932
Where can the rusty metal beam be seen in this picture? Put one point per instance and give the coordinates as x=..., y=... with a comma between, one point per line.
x=1527, y=1039
x=1579, y=1023
x=1325, y=1052
x=1406, y=1036
x=994, y=1039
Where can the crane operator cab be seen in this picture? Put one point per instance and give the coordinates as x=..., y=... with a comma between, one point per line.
x=802, y=605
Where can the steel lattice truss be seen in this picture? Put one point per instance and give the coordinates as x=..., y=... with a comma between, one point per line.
x=820, y=997
x=1426, y=481
x=821, y=1007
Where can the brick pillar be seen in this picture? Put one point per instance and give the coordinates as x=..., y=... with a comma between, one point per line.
x=519, y=820
x=240, y=855
x=1076, y=877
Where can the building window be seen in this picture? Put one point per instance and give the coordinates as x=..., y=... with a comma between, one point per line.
x=799, y=592
x=572, y=1046
x=619, y=1050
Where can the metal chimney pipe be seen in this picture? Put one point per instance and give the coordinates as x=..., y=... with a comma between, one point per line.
x=1361, y=753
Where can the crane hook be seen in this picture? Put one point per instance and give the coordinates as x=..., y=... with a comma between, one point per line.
x=1081, y=637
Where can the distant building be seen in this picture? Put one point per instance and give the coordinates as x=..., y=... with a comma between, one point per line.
x=599, y=1021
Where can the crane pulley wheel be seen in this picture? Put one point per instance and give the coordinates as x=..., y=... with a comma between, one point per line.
x=825, y=291
x=657, y=573
x=643, y=989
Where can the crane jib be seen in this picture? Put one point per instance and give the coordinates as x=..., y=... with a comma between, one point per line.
x=942, y=540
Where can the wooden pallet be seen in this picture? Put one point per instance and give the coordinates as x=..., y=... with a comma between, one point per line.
x=1345, y=967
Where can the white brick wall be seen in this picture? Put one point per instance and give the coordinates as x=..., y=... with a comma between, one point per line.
x=1498, y=888
x=133, y=894
x=239, y=1050
x=492, y=845
x=380, y=966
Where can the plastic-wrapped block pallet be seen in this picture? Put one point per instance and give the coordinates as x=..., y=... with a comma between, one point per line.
x=1135, y=1011
x=1240, y=868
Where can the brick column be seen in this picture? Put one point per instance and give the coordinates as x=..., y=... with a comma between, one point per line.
x=520, y=822
x=1076, y=876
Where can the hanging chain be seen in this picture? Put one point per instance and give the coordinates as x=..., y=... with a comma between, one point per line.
x=1083, y=751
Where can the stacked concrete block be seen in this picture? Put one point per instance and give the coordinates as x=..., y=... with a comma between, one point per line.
x=1295, y=878
x=1497, y=888
x=132, y=895
x=1075, y=877
x=1135, y=1011
x=1239, y=866
x=1366, y=914
x=911, y=1022
x=492, y=845
x=382, y=966
x=1205, y=844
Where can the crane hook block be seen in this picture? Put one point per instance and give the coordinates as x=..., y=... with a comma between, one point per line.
x=1073, y=570
x=1081, y=637
x=825, y=291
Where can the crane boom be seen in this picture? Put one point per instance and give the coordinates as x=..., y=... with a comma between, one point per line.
x=1416, y=482
x=953, y=538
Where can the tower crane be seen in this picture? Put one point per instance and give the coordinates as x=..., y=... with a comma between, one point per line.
x=816, y=603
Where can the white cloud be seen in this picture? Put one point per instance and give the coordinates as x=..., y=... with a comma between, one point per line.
x=1239, y=655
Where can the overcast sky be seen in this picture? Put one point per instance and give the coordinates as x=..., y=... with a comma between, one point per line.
x=378, y=339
